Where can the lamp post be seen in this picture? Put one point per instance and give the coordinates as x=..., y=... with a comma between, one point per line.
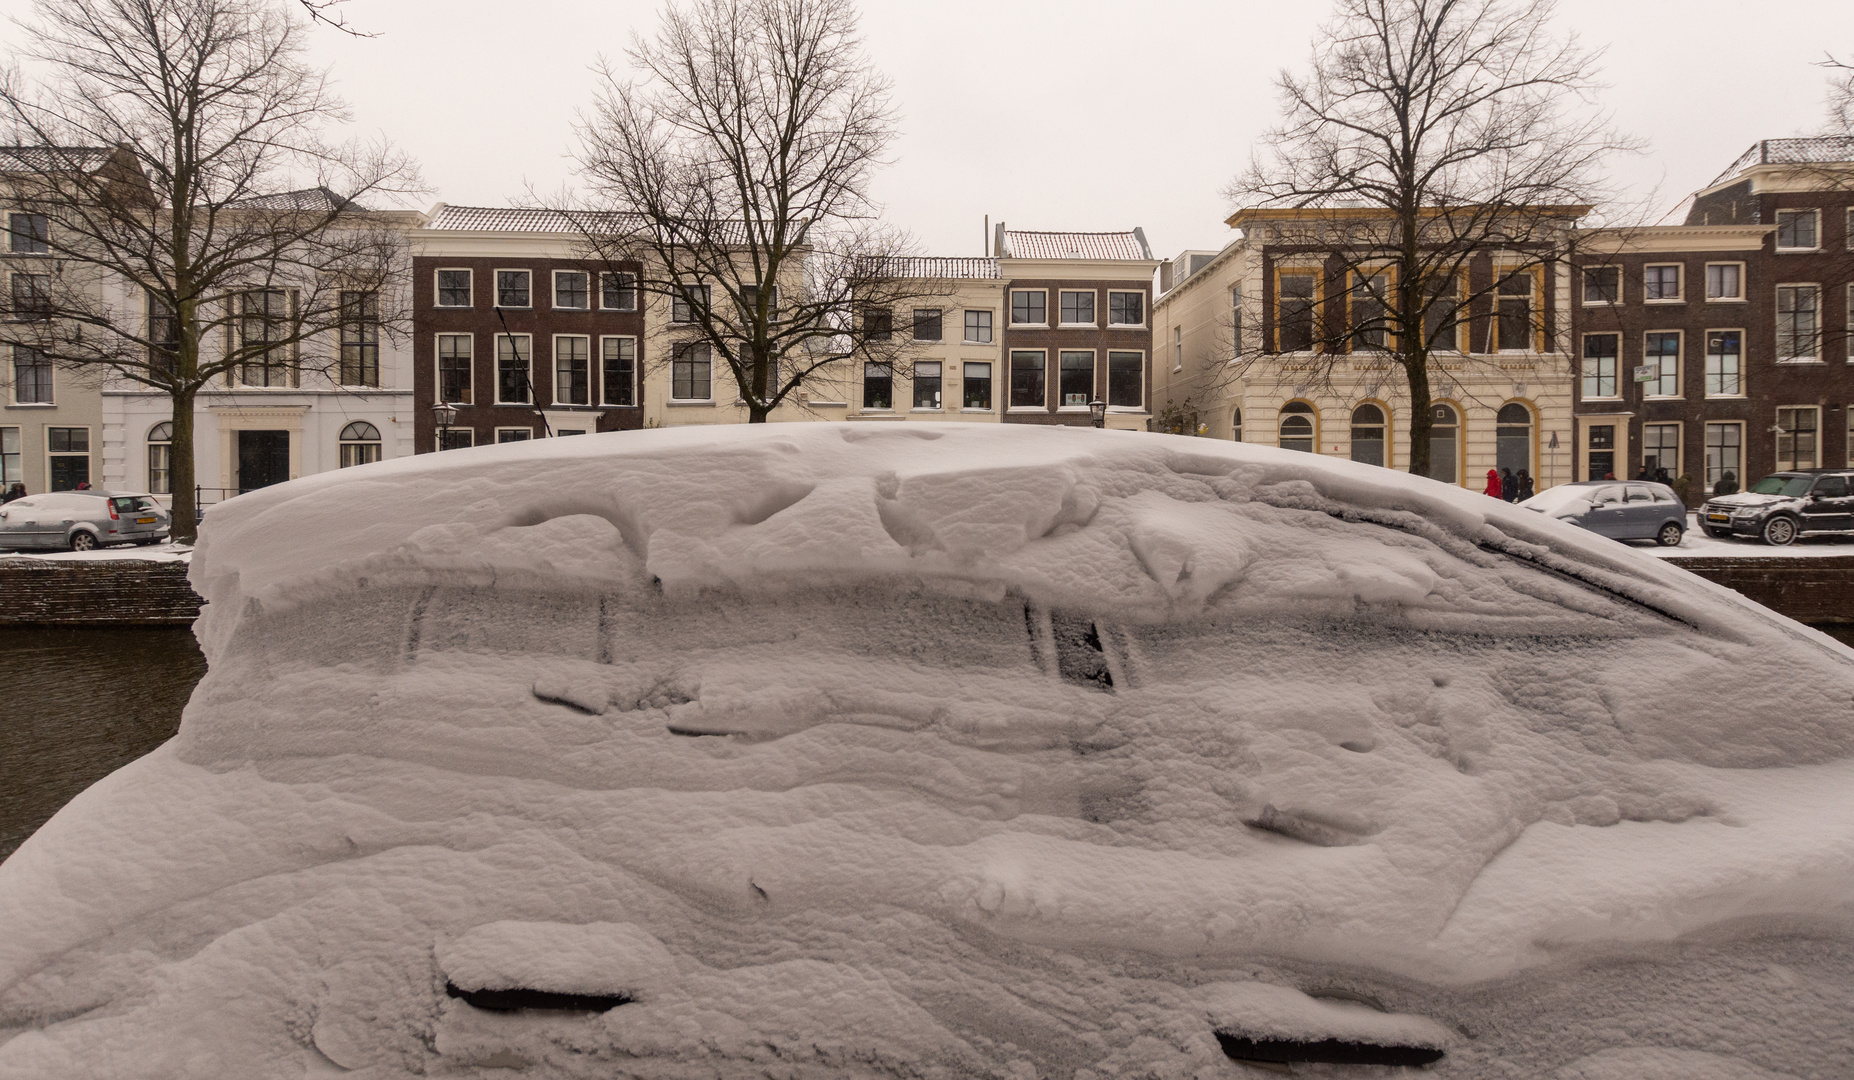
x=445, y=414
x=1098, y=409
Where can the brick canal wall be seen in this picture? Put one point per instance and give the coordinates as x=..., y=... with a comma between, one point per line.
x=144, y=593
x=1810, y=590
x=96, y=592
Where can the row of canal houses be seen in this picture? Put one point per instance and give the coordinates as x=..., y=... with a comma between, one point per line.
x=1720, y=345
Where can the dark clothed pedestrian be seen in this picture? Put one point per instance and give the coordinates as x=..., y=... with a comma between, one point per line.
x=1726, y=485
x=1525, y=486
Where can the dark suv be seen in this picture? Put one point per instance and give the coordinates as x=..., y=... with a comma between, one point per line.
x=1784, y=506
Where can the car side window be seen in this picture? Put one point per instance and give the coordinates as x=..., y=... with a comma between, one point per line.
x=1606, y=495
x=1832, y=487
x=1639, y=494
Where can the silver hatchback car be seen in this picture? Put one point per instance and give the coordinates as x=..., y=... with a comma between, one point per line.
x=81, y=520
x=1618, y=509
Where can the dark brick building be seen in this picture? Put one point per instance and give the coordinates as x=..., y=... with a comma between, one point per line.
x=521, y=337
x=1723, y=345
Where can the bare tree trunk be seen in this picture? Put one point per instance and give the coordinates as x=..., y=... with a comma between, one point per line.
x=1417, y=375
x=184, y=525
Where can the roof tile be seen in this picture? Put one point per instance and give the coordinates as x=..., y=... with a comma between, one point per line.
x=1074, y=245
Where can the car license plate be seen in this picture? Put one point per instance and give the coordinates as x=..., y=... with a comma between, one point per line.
x=144, y=521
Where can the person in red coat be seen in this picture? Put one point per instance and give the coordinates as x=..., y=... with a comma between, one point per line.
x=1493, y=483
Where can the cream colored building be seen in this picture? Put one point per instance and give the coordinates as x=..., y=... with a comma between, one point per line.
x=1222, y=372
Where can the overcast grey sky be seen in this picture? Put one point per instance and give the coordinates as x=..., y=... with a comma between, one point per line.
x=1066, y=114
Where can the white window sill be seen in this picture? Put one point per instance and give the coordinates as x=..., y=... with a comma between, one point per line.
x=1072, y=409
x=985, y=411
x=619, y=310
x=1664, y=397
x=1601, y=303
x=1078, y=326
x=1802, y=361
x=827, y=404
x=1028, y=409
x=1606, y=399
x=1726, y=300
x=683, y=404
x=1666, y=300
x=1798, y=251
x=1029, y=326
x=515, y=405
x=1126, y=410
x=1728, y=397
x=615, y=405
x=971, y=342
x=1126, y=326
x=923, y=410
x=33, y=405
x=454, y=307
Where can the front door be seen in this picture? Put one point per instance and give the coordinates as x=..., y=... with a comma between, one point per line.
x=263, y=459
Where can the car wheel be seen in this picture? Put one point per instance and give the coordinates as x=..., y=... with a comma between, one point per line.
x=83, y=541
x=1779, y=531
x=1669, y=536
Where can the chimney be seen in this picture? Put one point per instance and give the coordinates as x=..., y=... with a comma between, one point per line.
x=997, y=242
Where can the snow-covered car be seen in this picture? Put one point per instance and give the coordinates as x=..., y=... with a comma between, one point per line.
x=1618, y=509
x=838, y=750
x=1783, y=506
x=81, y=520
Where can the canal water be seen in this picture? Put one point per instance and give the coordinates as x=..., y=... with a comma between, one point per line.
x=76, y=705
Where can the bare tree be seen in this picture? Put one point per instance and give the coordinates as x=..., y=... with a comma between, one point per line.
x=1436, y=159
x=202, y=227
x=736, y=169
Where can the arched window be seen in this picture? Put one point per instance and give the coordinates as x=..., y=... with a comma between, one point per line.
x=1297, y=426
x=161, y=458
x=1444, y=444
x=1513, y=437
x=360, y=444
x=1368, y=434
x=1236, y=425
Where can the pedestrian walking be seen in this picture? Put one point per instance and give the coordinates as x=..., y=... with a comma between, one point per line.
x=1525, y=486
x=1726, y=485
x=17, y=491
x=1509, y=486
x=1493, y=484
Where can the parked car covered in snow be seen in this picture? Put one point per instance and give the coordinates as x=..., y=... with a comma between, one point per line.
x=81, y=520
x=1783, y=506
x=1618, y=509
x=837, y=750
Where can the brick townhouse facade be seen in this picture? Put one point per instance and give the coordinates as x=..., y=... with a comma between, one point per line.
x=523, y=337
x=1723, y=344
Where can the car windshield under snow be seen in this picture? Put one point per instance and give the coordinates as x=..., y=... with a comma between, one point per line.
x=1794, y=487
x=1560, y=498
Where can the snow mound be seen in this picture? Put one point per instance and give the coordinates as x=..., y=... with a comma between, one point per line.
x=953, y=751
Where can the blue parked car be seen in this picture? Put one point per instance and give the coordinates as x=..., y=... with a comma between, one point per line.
x=1618, y=509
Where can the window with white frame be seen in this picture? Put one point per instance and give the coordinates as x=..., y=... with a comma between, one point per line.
x=514, y=434
x=360, y=444
x=1661, y=282
x=1602, y=284
x=878, y=385
x=1295, y=300
x=1799, y=322
x=1236, y=316
x=750, y=304
x=878, y=324
x=1724, y=454
x=1126, y=308
x=28, y=234
x=1661, y=448
x=454, y=288
x=978, y=327
x=360, y=338
x=1798, y=446
x=1798, y=230
x=32, y=376
x=1027, y=378
x=1077, y=307
x=455, y=363
x=1725, y=281
x=1029, y=307
x=1236, y=425
x=977, y=378
x=161, y=458
x=514, y=289
x=1076, y=385
x=618, y=357
x=1177, y=348
x=1725, y=363
x=689, y=303
x=456, y=438
x=514, y=376
x=927, y=324
x=692, y=372
x=32, y=299
x=1600, y=358
x=1369, y=315
x=10, y=461
x=572, y=370
x=572, y=290
x=1661, y=351
x=163, y=335
x=927, y=380
x=618, y=291
x=263, y=330
x=69, y=452
x=1126, y=380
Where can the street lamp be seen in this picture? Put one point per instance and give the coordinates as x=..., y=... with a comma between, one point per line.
x=445, y=414
x=1098, y=409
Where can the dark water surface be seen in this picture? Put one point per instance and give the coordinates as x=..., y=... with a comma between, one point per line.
x=78, y=704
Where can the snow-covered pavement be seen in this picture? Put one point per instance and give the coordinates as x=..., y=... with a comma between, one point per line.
x=949, y=751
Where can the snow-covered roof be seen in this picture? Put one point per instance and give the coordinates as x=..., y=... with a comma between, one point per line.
x=46, y=158
x=1020, y=244
x=940, y=267
x=318, y=200
x=956, y=750
x=518, y=219
x=1811, y=150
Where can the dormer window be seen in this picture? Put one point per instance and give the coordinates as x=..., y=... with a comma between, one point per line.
x=1798, y=230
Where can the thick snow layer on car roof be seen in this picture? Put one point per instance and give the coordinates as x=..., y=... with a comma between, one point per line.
x=945, y=751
